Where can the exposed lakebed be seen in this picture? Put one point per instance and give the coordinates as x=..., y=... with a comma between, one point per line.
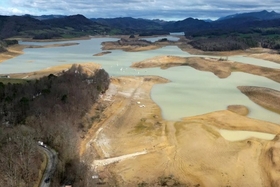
x=190, y=92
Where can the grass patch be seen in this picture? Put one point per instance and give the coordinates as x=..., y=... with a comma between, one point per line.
x=13, y=81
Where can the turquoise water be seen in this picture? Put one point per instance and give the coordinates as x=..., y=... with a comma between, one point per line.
x=190, y=92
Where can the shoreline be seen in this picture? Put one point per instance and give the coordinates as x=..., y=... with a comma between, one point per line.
x=259, y=53
x=209, y=64
x=135, y=144
x=12, y=51
x=132, y=137
x=129, y=130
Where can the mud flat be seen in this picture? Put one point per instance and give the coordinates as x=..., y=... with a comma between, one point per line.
x=133, y=145
x=55, y=70
x=17, y=50
x=239, y=109
x=128, y=47
x=136, y=146
x=52, y=45
x=102, y=53
x=220, y=67
x=136, y=44
x=266, y=97
x=267, y=56
x=12, y=52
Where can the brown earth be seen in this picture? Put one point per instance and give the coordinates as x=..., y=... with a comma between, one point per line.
x=267, y=56
x=265, y=97
x=102, y=53
x=239, y=109
x=136, y=146
x=51, y=45
x=56, y=70
x=182, y=43
x=128, y=48
x=16, y=50
x=220, y=67
x=132, y=145
x=13, y=51
x=135, y=44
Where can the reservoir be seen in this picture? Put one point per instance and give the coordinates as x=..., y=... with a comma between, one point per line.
x=190, y=92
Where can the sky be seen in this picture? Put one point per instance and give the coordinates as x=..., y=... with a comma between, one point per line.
x=148, y=9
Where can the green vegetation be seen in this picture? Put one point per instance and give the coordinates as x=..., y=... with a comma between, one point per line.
x=12, y=81
x=233, y=40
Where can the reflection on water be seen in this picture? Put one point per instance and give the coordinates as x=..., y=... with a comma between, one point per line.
x=191, y=92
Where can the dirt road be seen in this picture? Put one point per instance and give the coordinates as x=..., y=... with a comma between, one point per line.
x=135, y=145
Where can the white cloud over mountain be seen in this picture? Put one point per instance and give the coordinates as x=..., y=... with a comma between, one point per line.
x=163, y=9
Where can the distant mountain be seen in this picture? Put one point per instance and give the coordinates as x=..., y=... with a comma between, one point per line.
x=76, y=21
x=77, y=25
x=130, y=23
x=45, y=17
x=262, y=15
x=57, y=26
x=14, y=25
x=234, y=23
x=68, y=26
x=187, y=25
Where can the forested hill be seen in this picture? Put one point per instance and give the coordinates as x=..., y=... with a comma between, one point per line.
x=238, y=31
x=61, y=27
x=53, y=109
x=46, y=27
x=262, y=15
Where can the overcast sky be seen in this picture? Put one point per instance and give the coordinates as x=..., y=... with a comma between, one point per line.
x=150, y=9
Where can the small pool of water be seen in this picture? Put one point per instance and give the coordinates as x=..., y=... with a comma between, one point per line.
x=243, y=135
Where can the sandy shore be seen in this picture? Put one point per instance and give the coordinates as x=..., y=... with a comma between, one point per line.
x=238, y=109
x=56, y=70
x=132, y=144
x=52, y=45
x=135, y=44
x=136, y=145
x=102, y=53
x=266, y=97
x=220, y=67
x=13, y=51
x=267, y=56
x=16, y=50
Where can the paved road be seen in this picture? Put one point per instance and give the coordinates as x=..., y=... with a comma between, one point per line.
x=51, y=166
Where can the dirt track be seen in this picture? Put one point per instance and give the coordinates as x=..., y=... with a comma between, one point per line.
x=135, y=144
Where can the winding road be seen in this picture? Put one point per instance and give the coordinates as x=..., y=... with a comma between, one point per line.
x=51, y=166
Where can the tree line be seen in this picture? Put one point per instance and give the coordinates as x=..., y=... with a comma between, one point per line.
x=50, y=109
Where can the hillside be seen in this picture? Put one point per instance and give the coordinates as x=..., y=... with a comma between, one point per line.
x=49, y=109
x=62, y=27
x=132, y=25
x=15, y=25
x=262, y=15
x=240, y=31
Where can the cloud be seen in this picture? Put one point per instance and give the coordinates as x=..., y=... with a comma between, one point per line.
x=176, y=9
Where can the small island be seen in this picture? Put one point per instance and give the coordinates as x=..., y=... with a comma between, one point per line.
x=102, y=53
